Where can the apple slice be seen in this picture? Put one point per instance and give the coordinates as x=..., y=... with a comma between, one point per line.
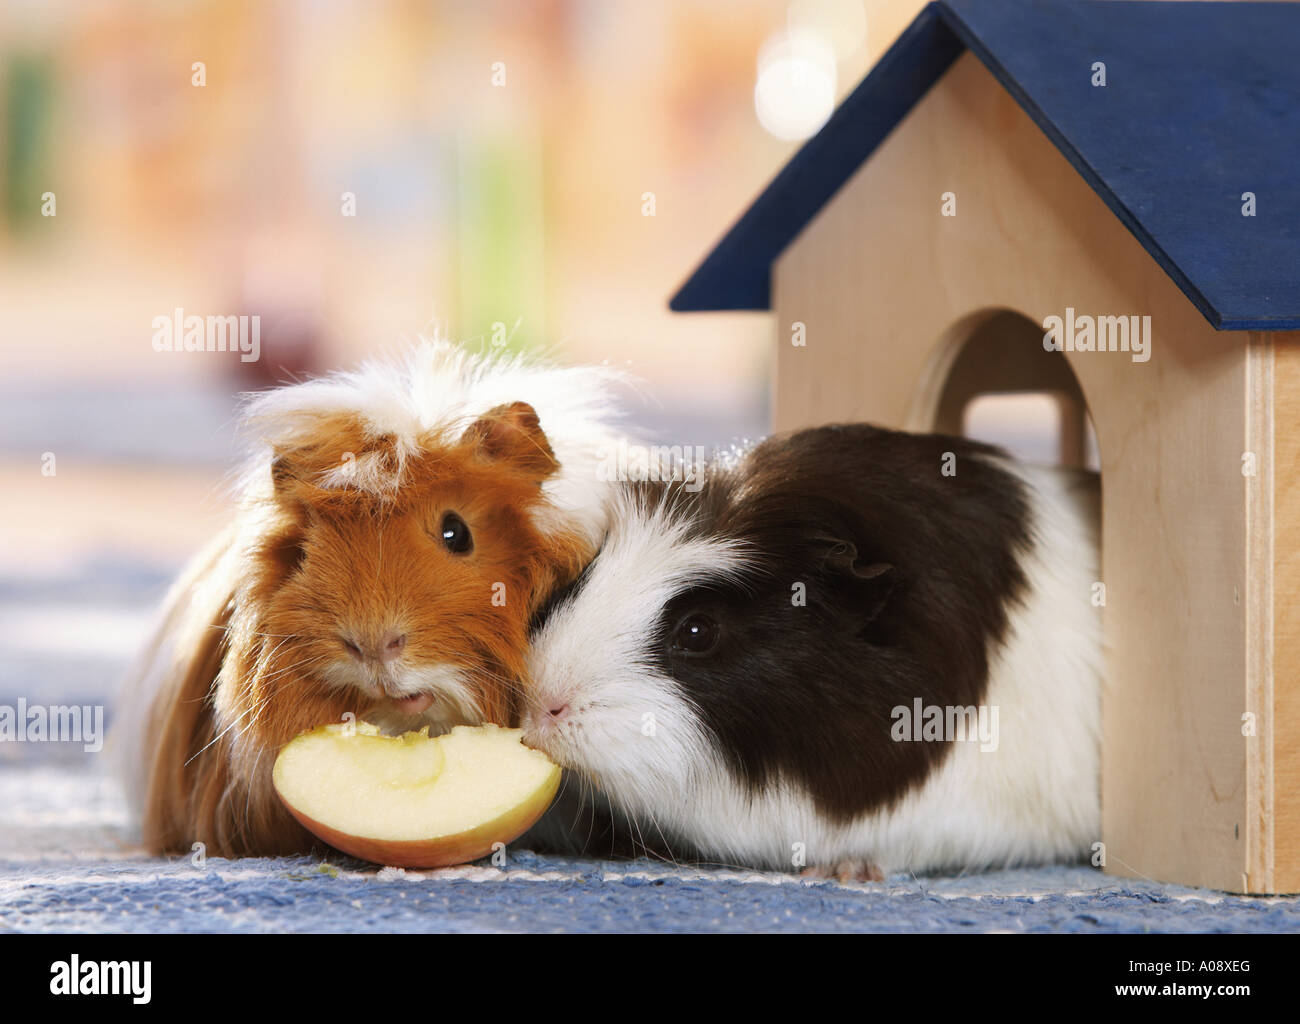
x=413, y=801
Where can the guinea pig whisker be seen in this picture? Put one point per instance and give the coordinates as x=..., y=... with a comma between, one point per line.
x=295, y=666
x=253, y=711
x=634, y=832
x=514, y=687
x=670, y=858
x=248, y=792
x=646, y=850
x=238, y=718
x=568, y=777
x=267, y=658
x=252, y=632
x=589, y=793
x=217, y=737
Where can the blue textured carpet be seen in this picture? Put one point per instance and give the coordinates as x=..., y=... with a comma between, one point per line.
x=65, y=866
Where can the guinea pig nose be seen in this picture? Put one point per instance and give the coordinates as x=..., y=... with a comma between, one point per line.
x=393, y=645
x=353, y=647
x=559, y=712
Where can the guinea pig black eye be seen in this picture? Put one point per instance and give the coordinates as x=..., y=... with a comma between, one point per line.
x=455, y=534
x=696, y=634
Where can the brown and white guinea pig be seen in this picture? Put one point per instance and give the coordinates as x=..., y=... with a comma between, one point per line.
x=397, y=528
x=747, y=671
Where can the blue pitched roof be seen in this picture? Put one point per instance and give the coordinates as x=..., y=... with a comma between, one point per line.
x=1202, y=103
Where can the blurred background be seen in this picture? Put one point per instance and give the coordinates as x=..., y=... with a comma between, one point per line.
x=542, y=174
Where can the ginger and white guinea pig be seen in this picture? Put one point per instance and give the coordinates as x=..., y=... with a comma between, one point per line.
x=850, y=650
x=397, y=527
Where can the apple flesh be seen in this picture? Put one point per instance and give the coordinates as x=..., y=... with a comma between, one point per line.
x=414, y=801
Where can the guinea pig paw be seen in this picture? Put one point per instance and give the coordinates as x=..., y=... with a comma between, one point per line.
x=845, y=871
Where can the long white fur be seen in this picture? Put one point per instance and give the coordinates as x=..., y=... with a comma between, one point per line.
x=439, y=385
x=1035, y=799
x=436, y=385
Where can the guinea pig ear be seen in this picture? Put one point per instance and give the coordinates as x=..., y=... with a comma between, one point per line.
x=289, y=481
x=292, y=492
x=868, y=585
x=513, y=434
x=284, y=478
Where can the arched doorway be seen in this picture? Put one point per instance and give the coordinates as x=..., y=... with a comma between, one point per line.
x=993, y=381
